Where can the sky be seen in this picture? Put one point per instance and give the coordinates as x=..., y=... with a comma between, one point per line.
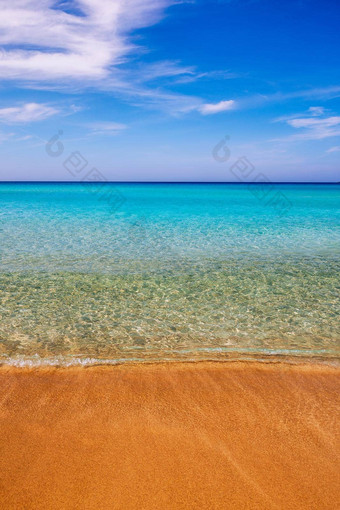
x=161, y=90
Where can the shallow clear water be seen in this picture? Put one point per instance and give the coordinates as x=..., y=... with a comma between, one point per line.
x=146, y=271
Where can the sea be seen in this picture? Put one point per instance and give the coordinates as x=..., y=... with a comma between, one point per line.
x=131, y=272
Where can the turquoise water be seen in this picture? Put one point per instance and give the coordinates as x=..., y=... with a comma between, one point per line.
x=168, y=271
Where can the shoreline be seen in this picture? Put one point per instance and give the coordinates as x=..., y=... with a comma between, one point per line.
x=284, y=363
x=290, y=358
x=174, y=435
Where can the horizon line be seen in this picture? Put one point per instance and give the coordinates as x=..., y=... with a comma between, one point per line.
x=169, y=182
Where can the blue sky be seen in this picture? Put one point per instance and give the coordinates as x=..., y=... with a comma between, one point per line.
x=145, y=89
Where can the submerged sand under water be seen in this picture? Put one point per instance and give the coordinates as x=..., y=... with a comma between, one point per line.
x=179, y=271
x=240, y=435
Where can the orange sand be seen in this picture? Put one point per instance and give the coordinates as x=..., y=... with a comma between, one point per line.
x=170, y=436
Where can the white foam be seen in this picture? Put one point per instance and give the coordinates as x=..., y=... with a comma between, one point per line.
x=212, y=354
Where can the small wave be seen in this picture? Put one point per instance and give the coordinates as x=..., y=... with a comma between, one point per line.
x=185, y=355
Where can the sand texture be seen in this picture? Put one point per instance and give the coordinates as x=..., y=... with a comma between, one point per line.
x=241, y=435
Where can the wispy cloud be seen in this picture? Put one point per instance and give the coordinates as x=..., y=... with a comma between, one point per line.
x=313, y=111
x=46, y=41
x=29, y=112
x=222, y=106
x=316, y=111
x=89, y=44
x=164, y=69
x=324, y=93
x=209, y=75
x=106, y=128
x=5, y=136
x=314, y=125
x=334, y=149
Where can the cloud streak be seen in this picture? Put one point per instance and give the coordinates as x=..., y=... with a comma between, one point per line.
x=106, y=127
x=334, y=149
x=43, y=42
x=29, y=112
x=314, y=125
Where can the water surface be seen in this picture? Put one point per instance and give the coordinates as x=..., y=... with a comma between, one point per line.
x=168, y=271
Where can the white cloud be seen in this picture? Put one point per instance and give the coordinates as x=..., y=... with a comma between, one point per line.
x=316, y=111
x=46, y=45
x=222, y=106
x=312, y=125
x=42, y=42
x=334, y=149
x=29, y=112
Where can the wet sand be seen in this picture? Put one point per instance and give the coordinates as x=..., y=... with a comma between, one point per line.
x=237, y=435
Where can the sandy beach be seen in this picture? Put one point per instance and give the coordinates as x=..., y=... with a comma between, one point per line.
x=238, y=435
